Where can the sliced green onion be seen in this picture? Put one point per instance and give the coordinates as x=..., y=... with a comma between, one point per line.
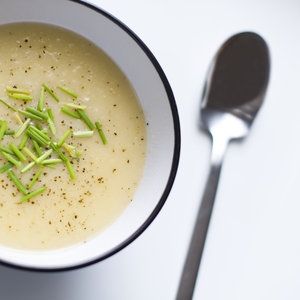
x=52, y=161
x=18, y=118
x=50, y=114
x=70, y=113
x=17, y=182
x=37, y=112
x=11, y=159
x=17, y=152
x=58, y=151
x=23, y=141
x=70, y=169
x=8, y=105
x=78, y=152
x=42, y=133
x=9, y=132
x=70, y=149
x=64, y=137
x=28, y=167
x=35, y=178
x=6, y=167
x=36, y=192
x=2, y=129
x=41, y=101
x=83, y=133
x=85, y=118
x=29, y=153
x=51, y=124
x=20, y=96
x=34, y=135
x=22, y=128
x=37, y=148
x=52, y=166
x=39, y=126
x=44, y=156
x=13, y=90
x=101, y=133
x=30, y=115
x=45, y=131
x=6, y=150
x=68, y=91
x=50, y=92
x=75, y=106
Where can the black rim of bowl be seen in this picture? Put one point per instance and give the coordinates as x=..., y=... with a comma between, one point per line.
x=175, y=161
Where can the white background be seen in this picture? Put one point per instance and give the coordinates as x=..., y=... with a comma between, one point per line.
x=253, y=247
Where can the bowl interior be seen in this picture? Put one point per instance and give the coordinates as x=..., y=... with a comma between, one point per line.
x=158, y=104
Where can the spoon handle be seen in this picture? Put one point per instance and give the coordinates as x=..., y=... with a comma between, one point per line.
x=193, y=259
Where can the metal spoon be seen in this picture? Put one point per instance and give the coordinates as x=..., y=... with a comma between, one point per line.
x=233, y=93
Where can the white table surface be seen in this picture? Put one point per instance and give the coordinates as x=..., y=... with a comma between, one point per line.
x=253, y=247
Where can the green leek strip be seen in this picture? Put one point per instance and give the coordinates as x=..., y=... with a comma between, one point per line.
x=37, y=112
x=6, y=150
x=35, y=178
x=20, y=96
x=9, y=132
x=52, y=166
x=70, y=113
x=39, y=126
x=29, y=153
x=44, y=156
x=17, y=182
x=2, y=129
x=75, y=106
x=35, y=136
x=37, y=148
x=51, y=124
x=6, y=167
x=42, y=133
x=18, y=118
x=8, y=105
x=50, y=114
x=38, y=135
x=28, y=167
x=45, y=131
x=83, y=133
x=63, y=138
x=22, y=128
x=30, y=115
x=13, y=90
x=40, y=105
x=70, y=149
x=17, y=152
x=11, y=159
x=101, y=133
x=70, y=169
x=78, y=152
x=52, y=161
x=58, y=151
x=85, y=118
x=68, y=91
x=23, y=141
x=50, y=92
x=34, y=193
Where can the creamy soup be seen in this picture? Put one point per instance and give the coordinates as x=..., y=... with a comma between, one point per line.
x=69, y=211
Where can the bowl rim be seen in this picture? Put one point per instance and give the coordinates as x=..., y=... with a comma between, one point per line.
x=175, y=160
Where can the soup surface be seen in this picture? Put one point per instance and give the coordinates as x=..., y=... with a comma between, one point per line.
x=69, y=211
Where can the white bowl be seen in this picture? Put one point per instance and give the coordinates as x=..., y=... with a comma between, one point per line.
x=163, y=133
